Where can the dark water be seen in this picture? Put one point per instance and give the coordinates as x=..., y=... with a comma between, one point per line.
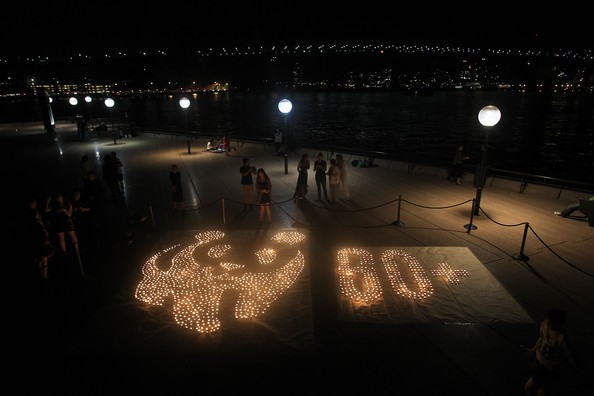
x=550, y=134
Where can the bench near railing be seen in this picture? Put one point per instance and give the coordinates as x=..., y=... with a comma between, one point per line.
x=525, y=179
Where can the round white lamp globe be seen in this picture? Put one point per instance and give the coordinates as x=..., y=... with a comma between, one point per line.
x=489, y=115
x=285, y=106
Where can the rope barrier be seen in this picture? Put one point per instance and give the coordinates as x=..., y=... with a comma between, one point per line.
x=559, y=257
x=517, y=256
x=437, y=207
x=501, y=224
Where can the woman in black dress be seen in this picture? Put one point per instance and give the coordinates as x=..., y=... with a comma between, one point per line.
x=302, y=168
x=263, y=186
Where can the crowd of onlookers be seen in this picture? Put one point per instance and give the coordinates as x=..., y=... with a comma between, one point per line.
x=63, y=227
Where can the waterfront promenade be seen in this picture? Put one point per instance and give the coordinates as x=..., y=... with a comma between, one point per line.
x=98, y=338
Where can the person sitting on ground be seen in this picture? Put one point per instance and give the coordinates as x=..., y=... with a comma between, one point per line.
x=569, y=209
x=227, y=145
x=211, y=145
x=366, y=163
x=223, y=145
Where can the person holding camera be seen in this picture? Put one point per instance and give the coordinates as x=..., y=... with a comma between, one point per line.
x=247, y=183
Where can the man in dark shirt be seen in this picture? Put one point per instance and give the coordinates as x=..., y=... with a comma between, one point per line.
x=247, y=183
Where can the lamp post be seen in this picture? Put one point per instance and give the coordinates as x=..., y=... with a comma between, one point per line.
x=88, y=100
x=74, y=103
x=184, y=103
x=47, y=113
x=285, y=106
x=52, y=121
x=109, y=102
x=488, y=117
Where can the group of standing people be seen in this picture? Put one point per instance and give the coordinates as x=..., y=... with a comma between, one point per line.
x=335, y=175
x=263, y=187
x=55, y=229
x=59, y=226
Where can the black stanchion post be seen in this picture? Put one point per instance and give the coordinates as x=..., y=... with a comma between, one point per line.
x=223, y=208
x=398, y=222
x=188, y=142
x=521, y=256
x=471, y=226
x=480, y=177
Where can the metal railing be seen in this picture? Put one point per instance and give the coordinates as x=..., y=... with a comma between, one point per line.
x=524, y=179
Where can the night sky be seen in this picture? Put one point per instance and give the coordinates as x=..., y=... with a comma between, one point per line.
x=96, y=27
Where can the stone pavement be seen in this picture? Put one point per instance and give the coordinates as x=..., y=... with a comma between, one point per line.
x=94, y=337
